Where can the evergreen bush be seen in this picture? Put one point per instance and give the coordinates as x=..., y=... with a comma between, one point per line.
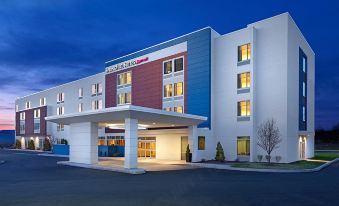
x=220, y=156
x=17, y=144
x=31, y=144
x=47, y=145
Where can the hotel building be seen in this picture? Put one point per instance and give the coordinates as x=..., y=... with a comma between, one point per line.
x=198, y=89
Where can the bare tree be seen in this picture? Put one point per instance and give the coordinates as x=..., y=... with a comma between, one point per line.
x=268, y=137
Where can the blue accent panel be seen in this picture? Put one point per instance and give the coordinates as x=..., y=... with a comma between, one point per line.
x=61, y=149
x=302, y=99
x=111, y=151
x=198, y=97
x=7, y=138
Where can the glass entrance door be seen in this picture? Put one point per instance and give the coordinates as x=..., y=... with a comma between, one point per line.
x=146, y=147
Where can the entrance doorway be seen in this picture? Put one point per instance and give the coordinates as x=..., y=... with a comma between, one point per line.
x=184, y=143
x=302, y=147
x=146, y=147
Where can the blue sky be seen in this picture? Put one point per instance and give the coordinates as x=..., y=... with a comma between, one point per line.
x=45, y=43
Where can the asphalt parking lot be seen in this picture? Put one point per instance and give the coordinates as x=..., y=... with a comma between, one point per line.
x=28, y=179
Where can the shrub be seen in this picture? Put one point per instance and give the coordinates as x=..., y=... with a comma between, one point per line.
x=31, y=145
x=277, y=158
x=259, y=158
x=64, y=141
x=47, y=145
x=219, y=156
x=268, y=158
x=17, y=144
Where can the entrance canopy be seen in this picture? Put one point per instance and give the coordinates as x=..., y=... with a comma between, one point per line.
x=147, y=117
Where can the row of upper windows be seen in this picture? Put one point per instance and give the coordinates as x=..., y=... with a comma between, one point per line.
x=96, y=105
x=36, y=114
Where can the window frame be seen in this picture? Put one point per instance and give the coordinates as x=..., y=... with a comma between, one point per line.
x=248, y=106
x=247, y=80
x=174, y=89
x=247, y=140
x=173, y=72
x=201, y=142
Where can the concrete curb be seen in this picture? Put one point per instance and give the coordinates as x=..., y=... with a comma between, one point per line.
x=26, y=150
x=52, y=155
x=228, y=167
x=135, y=171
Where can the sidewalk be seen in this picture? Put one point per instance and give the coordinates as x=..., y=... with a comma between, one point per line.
x=229, y=167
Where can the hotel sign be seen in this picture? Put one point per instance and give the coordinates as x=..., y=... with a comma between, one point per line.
x=125, y=65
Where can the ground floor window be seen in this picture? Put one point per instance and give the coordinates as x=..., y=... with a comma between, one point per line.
x=115, y=140
x=201, y=142
x=243, y=145
x=146, y=147
x=101, y=140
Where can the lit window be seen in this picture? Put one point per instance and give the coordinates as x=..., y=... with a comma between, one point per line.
x=125, y=78
x=201, y=142
x=243, y=146
x=96, y=89
x=97, y=104
x=60, y=110
x=304, y=64
x=124, y=98
x=168, y=67
x=81, y=93
x=37, y=113
x=244, y=80
x=179, y=109
x=16, y=108
x=304, y=114
x=81, y=107
x=43, y=101
x=244, y=108
x=60, y=97
x=178, y=64
x=178, y=89
x=304, y=89
x=168, y=90
x=168, y=109
x=28, y=105
x=244, y=52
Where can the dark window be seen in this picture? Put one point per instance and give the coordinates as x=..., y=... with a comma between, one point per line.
x=178, y=65
x=168, y=67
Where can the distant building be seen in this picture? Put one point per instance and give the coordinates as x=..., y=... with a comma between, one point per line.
x=198, y=89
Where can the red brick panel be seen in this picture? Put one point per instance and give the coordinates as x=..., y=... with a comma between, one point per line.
x=43, y=122
x=146, y=84
x=29, y=122
x=17, y=123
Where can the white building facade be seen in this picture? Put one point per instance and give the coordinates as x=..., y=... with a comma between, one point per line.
x=198, y=89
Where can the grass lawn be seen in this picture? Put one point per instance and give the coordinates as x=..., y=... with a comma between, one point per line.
x=325, y=156
x=303, y=164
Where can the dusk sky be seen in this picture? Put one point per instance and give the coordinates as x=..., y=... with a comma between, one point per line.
x=47, y=43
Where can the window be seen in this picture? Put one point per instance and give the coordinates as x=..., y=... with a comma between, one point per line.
x=22, y=116
x=168, y=90
x=16, y=108
x=168, y=67
x=116, y=140
x=60, y=110
x=124, y=98
x=36, y=113
x=36, y=125
x=244, y=108
x=101, y=140
x=244, y=80
x=96, y=89
x=304, y=64
x=28, y=105
x=179, y=109
x=178, y=64
x=96, y=104
x=244, y=52
x=22, y=127
x=168, y=109
x=81, y=93
x=178, y=89
x=201, y=142
x=60, y=97
x=243, y=146
x=43, y=101
x=304, y=114
x=60, y=127
x=81, y=107
x=304, y=89
x=125, y=78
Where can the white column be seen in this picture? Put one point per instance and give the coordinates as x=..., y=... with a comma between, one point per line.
x=193, y=141
x=83, y=143
x=131, y=143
